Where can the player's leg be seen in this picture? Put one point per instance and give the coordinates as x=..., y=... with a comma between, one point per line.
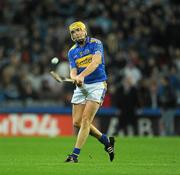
x=97, y=93
x=88, y=114
x=77, y=118
x=87, y=118
x=78, y=113
x=78, y=107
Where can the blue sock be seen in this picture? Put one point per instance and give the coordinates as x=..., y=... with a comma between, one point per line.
x=76, y=153
x=104, y=140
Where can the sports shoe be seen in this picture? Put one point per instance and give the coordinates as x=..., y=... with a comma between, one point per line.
x=71, y=159
x=110, y=148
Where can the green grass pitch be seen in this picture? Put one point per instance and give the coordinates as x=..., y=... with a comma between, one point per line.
x=141, y=156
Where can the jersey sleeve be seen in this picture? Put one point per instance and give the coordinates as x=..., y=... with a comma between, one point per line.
x=98, y=48
x=71, y=60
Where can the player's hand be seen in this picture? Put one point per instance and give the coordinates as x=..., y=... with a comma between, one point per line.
x=79, y=80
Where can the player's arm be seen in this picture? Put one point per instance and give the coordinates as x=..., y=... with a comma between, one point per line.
x=96, y=60
x=73, y=73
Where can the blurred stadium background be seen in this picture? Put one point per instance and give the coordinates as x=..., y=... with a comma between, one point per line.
x=142, y=51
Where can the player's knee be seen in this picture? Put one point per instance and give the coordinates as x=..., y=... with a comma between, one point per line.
x=86, y=121
x=76, y=124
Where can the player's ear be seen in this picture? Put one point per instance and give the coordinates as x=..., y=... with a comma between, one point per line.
x=72, y=38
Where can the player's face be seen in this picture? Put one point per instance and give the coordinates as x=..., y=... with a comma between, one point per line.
x=78, y=35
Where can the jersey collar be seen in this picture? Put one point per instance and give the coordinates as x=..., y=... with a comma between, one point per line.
x=88, y=39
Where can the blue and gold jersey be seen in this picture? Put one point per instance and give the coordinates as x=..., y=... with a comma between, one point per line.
x=80, y=57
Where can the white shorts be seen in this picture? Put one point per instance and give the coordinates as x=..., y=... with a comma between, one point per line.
x=89, y=92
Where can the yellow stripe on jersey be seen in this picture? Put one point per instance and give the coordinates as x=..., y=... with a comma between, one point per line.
x=84, y=61
x=72, y=47
x=92, y=41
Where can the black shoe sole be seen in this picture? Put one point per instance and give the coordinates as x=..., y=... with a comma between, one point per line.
x=71, y=161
